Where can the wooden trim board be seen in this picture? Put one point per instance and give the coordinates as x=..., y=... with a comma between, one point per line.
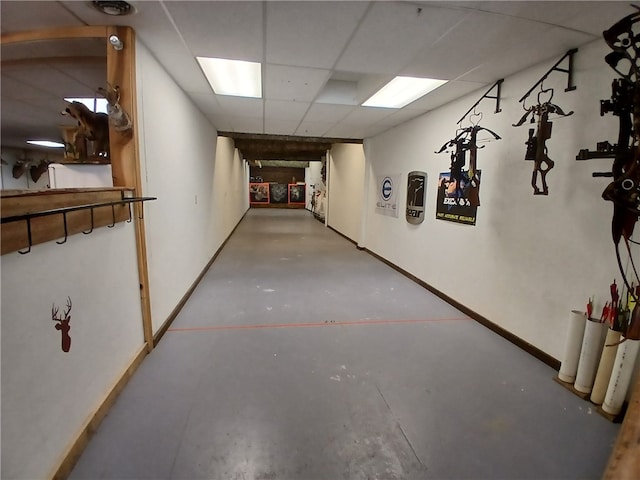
x=624, y=462
x=519, y=342
x=174, y=313
x=75, y=449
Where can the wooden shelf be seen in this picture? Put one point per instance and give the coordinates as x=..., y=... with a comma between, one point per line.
x=36, y=217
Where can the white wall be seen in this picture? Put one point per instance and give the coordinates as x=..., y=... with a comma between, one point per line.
x=48, y=394
x=346, y=184
x=313, y=180
x=530, y=259
x=201, y=186
x=24, y=182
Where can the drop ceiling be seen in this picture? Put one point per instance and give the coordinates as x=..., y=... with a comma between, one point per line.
x=321, y=60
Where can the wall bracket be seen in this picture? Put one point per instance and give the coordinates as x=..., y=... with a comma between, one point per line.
x=555, y=68
x=495, y=97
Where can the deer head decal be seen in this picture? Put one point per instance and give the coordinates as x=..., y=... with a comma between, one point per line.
x=63, y=324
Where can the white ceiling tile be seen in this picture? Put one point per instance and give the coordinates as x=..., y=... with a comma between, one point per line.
x=17, y=16
x=552, y=45
x=313, y=129
x=469, y=44
x=208, y=104
x=281, y=110
x=220, y=29
x=279, y=127
x=367, y=115
x=585, y=16
x=293, y=83
x=347, y=131
x=445, y=94
x=310, y=34
x=392, y=33
x=324, y=113
x=595, y=17
x=185, y=70
x=240, y=106
x=246, y=124
x=339, y=92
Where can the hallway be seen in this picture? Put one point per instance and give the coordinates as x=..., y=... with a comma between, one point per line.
x=300, y=357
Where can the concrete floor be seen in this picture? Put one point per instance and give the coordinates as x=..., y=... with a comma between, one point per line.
x=299, y=357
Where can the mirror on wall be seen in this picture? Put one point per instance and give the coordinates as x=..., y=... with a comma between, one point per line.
x=37, y=77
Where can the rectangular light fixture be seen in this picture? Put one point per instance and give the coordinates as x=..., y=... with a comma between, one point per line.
x=233, y=77
x=402, y=91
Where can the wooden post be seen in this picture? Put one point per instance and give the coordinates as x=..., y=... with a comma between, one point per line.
x=125, y=163
x=624, y=462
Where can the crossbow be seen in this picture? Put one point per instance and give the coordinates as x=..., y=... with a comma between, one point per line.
x=624, y=189
x=536, y=144
x=466, y=141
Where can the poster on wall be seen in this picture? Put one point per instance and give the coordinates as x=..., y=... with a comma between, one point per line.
x=278, y=192
x=416, y=189
x=258, y=193
x=387, y=198
x=454, y=196
x=297, y=193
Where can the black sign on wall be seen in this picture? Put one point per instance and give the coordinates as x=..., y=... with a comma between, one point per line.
x=416, y=190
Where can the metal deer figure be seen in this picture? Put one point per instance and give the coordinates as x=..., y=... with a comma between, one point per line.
x=536, y=144
x=63, y=324
x=624, y=189
x=466, y=141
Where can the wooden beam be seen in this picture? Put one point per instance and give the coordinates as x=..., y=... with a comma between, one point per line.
x=288, y=138
x=271, y=146
x=125, y=147
x=76, y=60
x=121, y=73
x=57, y=33
x=294, y=156
x=624, y=462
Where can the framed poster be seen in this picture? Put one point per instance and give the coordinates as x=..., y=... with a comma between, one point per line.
x=297, y=193
x=454, y=198
x=416, y=190
x=258, y=193
x=278, y=192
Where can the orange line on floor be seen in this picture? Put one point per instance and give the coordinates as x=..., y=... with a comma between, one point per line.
x=318, y=324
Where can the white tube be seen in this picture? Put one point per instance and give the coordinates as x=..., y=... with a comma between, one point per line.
x=620, y=376
x=592, y=343
x=605, y=367
x=572, y=346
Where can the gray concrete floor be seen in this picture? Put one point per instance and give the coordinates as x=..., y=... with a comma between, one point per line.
x=299, y=357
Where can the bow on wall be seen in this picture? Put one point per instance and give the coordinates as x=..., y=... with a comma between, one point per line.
x=467, y=141
x=624, y=189
x=536, y=144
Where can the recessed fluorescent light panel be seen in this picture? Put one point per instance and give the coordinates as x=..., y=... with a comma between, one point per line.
x=233, y=77
x=46, y=143
x=402, y=91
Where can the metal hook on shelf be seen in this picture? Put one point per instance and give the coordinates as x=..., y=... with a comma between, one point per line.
x=113, y=215
x=66, y=233
x=91, y=229
x=130, y=217
x=28, y=219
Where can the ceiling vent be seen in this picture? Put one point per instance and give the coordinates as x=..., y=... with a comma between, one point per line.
x=113, y=7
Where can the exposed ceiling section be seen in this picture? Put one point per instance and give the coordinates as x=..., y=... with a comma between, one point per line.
x=281, y=147
x=321, y=60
